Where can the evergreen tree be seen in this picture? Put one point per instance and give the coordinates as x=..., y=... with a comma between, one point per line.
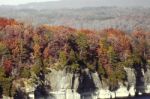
x=25, y=72
x=113, y=58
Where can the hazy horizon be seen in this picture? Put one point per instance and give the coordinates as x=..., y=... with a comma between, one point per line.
x=122, y=3
x=18, y=2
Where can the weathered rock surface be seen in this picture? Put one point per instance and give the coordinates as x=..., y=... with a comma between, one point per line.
x=132, y=91
x=59, y=80
x=122, y=92
x=131, y=79
x=66, y=85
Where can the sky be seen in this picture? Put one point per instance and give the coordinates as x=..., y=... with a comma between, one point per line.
x=16, y=2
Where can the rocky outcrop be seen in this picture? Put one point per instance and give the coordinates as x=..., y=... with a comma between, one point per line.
x=132, y=91
x=147, y=81
x=66, y=85
x=122, y=92
x=70, y=94
x=96, y=80
x=59, y=80
x=104, y=93
x=131, y=79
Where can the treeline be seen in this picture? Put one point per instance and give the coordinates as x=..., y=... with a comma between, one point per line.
x=26, y=51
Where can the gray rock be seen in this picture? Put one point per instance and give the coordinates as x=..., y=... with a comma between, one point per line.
x=96, y=80
x=59, y=80
x=130, y=76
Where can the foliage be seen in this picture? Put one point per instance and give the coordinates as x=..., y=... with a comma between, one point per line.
x=62, y=59
x=36, y=69
x=6, y=83
x=26, y=50
x=25, y=72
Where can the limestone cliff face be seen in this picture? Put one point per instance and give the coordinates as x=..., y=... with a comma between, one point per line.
x=147, y=81
x=89, y=85
x=59, y=80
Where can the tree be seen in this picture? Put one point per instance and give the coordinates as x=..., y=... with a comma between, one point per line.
x=82, y=46
x=102, y=51
x=101, y=70
x=36, y=69
x=24, y=72
x=3, y=49
x=113, y=57
x=72, y=62
x=6, y=83
x=7, y=86
x=4, y=52
x=8, y=66
x=62, y=60
x=117, y=74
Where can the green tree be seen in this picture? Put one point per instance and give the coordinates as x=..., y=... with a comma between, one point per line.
x=4, y=52
x=82, y=43
x=6, y=83
x=62, y=59
x=25, y=72
x=24, y=52
x=118, y=73
x=36, y=69
x=74, y=67
x=73, y=61
x=113, y=58
x=101, y=70
x=7, y=86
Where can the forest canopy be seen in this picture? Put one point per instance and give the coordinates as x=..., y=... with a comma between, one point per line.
x=26, y=50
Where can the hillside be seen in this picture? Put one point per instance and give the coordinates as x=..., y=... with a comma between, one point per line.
x=92, y=17
x=53, y=58
x=86, y=3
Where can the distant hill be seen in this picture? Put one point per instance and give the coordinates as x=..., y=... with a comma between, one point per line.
x=82, y=3
x=62, y=4
x=93, y=14
x=87, y=3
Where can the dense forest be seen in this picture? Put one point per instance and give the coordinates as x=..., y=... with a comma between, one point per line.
x=27, y=52
x=96, y=18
